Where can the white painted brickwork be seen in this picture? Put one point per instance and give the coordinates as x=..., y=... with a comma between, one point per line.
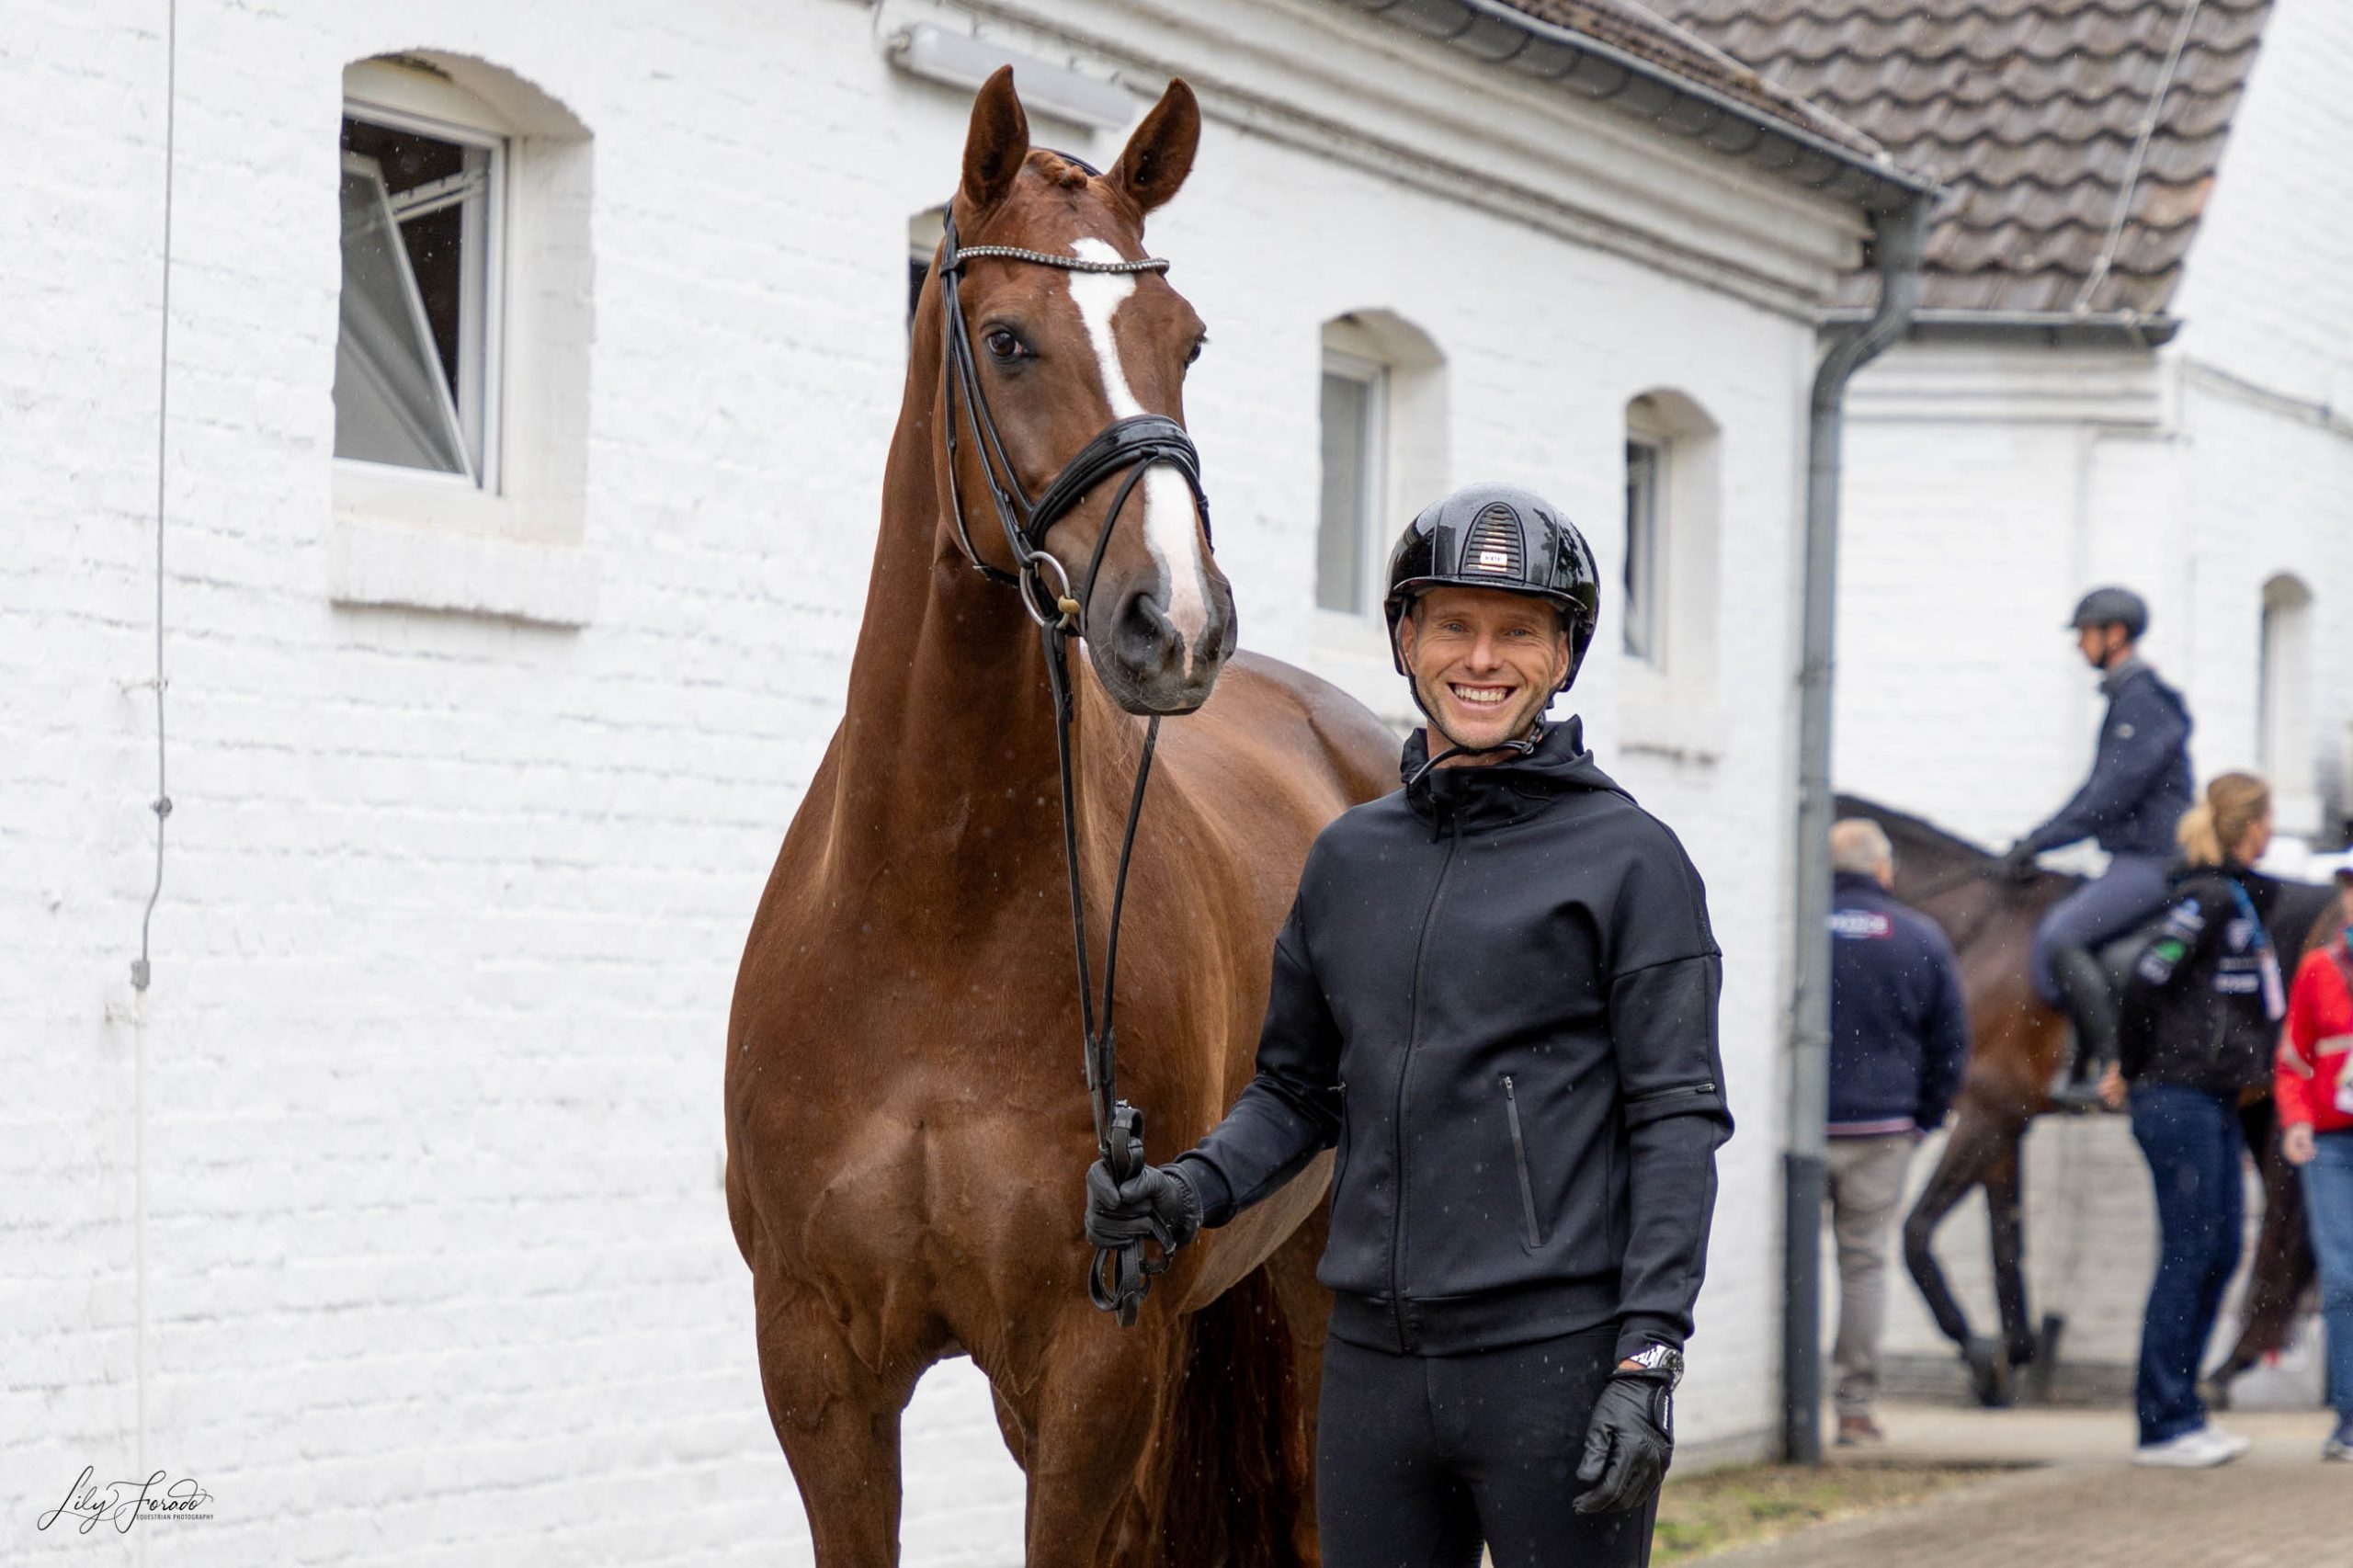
x=392, y=1212
x=1989, y=487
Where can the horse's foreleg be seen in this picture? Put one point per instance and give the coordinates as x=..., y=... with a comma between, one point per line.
x=1090, y=1415
x=838, y=1421
x=1961, y=1167
x=2005, y=1228
x=1976, y=1140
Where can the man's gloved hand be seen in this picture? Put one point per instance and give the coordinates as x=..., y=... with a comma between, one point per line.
x=2017, y=862
x=1155, y=1204
x=1629, y=1443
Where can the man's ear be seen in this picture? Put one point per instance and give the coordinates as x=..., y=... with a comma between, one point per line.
x=997, y=143
x=1160, y=154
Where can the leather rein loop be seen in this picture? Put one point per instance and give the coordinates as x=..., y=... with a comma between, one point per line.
x=1119, y=1277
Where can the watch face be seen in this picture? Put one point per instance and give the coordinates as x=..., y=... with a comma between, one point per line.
x=1663, y=1358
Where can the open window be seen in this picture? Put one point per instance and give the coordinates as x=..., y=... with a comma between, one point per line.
x=416, y=349
x=464, y=332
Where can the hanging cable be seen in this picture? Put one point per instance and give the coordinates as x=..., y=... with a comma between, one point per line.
x=141, y=970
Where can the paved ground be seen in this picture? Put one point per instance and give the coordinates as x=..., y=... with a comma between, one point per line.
x=2084, y=1505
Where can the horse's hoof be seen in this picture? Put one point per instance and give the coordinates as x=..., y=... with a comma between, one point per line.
x=1989, y=1374
x=2215, y=1393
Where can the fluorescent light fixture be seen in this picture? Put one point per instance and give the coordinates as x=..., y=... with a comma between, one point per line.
x=960, y=60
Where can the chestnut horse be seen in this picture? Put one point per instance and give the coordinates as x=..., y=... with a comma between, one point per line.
x=2017, y=1043
x=907, y=1123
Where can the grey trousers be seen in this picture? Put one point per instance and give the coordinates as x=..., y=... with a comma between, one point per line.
x=1866, y=1193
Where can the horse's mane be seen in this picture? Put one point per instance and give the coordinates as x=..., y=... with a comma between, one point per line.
x=1904, y=825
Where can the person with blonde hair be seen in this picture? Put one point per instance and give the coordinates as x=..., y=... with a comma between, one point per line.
x=2201, y=1006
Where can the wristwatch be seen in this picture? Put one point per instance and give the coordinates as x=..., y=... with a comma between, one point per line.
x=1660, y=1360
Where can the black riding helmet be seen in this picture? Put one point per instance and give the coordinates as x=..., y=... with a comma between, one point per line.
x=2112, y=606
x=1498, y=536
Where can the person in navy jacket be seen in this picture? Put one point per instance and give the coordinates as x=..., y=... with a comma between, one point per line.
x=2140, y=785
x=1899, y=1034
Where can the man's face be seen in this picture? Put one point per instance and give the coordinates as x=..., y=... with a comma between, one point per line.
x=1485, y=663
x=2100, y=643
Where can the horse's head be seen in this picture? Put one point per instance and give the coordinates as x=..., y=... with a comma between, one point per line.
x=1060, y=354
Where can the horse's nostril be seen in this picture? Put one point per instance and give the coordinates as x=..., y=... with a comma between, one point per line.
x=1147, y=638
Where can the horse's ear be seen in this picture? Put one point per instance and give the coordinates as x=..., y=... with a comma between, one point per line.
x=995, y=146
x=1160, y=154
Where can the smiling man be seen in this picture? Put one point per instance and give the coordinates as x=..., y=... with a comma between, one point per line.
x=1496, y=996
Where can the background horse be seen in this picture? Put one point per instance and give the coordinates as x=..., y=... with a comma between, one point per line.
x=2017, y=1043
x=907, y=1123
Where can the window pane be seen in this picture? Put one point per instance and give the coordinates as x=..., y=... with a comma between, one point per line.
x=392, y=401
x=416, y=353
x=1642, y=549
x=1348, y=409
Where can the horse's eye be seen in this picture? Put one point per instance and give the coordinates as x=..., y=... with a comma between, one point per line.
x=1003, y=346
x=1199, y=344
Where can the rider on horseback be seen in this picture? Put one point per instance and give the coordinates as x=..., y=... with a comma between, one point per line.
x=1496, y=995
x=2140, y=785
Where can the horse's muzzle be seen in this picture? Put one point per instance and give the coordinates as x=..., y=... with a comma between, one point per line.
x=1147, y=663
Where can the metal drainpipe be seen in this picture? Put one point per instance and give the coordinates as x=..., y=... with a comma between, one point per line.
x=1899, y=236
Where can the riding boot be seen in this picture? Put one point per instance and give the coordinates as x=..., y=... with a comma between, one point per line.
x=2092, y=1005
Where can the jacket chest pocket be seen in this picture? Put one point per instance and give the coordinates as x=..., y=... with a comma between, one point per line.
x=1532, y=1234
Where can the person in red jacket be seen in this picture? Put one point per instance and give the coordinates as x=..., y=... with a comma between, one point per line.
x=2313, y=1087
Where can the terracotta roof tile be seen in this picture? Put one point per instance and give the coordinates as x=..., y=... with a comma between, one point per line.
x=2029, y=111
x=1647, y=32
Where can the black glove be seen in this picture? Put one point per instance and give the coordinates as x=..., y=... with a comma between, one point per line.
x=1629, y=1443
x=1156, y=1204
x=2017, y=862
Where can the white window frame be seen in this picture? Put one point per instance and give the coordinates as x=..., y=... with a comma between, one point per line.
x=1649, y=512
x=1373, y=483
x=516, y=547
x=389, y=100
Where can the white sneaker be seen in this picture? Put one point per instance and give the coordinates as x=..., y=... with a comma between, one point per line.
x=2202, y=1448
x=2237, y=1444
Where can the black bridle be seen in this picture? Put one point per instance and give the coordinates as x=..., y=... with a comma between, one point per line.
x=1119, y=1277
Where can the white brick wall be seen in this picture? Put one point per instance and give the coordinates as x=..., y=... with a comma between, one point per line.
x=392, y=1211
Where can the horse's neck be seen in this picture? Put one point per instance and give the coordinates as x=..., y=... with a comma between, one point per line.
x=947, y=746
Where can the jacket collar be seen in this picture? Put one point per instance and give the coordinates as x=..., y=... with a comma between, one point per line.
x=1855, y=882
x=1485, y=795
x=2114, y=680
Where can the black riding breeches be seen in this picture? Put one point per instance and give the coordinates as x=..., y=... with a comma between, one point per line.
x=1421, y=1457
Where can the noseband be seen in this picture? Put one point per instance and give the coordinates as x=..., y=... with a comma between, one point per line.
x=1119, y=1276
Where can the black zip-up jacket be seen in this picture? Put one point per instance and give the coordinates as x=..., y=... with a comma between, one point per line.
x=1496, y=995
x=2194, y=1012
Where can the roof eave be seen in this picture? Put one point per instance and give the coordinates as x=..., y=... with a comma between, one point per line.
x=2120, y=329
x=1491, y=31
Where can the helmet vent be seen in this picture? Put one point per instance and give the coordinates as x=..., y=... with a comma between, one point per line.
x=1494, y=543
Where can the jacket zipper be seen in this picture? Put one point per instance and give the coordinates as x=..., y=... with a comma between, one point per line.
x=1667, y=1094
x=1405, y=1068
x=1519, y=1158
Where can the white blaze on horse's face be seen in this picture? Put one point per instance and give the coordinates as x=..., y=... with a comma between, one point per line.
x=1171, y=530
